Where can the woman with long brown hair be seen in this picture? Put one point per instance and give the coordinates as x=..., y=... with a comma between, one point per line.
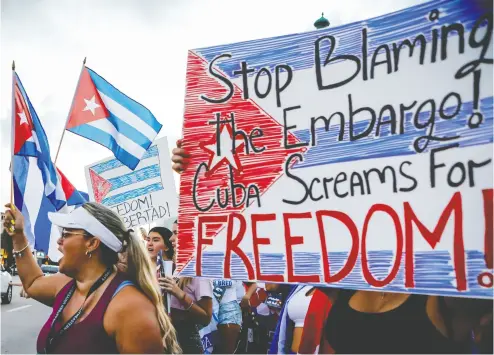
x=96, y=309
x=191, y=298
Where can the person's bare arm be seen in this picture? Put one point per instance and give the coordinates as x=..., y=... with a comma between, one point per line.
x=248, y=294
x=42, y=288
x=200, y=311
x=131, y=319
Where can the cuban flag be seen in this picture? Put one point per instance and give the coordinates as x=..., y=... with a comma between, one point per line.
x=30, y=141
x=39, y=187
x=35, y=205
x=105, y=115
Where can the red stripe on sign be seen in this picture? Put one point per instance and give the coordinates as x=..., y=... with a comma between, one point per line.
x=259, y=169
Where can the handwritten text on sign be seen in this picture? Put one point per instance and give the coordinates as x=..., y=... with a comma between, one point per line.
x=142, y=196
x=358, y=156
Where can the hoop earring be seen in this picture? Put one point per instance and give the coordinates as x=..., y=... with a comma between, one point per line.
x=88, y=253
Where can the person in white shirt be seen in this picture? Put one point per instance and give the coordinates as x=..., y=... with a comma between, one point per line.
x=229, y=315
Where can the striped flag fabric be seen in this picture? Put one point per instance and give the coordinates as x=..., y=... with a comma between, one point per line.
x=34, y=205
x=39, y=186
x=103, y=114
x=30, y=140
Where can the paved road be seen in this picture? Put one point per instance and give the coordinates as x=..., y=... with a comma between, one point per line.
x=22, y=320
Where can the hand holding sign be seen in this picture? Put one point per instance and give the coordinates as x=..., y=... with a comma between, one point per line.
x=180, y=158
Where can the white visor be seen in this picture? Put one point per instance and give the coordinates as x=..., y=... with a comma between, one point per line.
x=82, y=219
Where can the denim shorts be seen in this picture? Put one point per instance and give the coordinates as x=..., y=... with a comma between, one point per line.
x=230, y=313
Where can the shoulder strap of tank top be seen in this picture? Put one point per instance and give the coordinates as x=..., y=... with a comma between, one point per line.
x=341, y=302
x=63, y=292
x=105, y=299
x=52, y=335
x=344, y=296
x=121, y=286
x=60, y=297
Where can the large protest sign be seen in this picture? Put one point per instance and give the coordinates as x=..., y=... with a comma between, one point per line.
x=358, y=156
x=141, y=196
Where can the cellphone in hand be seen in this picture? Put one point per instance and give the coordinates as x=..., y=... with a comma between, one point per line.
x=161, y=266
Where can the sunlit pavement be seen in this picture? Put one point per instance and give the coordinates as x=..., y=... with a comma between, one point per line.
x=21, y=321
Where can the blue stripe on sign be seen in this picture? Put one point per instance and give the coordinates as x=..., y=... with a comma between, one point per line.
x=106, y=140
x=149, y=172
x=328, y=150
x=133, y=106
x=114, y=163
x=297, y=50
x=434, y=273
x=110, y=201
x=130, y=132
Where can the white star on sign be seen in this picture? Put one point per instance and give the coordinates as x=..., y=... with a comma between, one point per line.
x=23, y=117
x=225, y=149
x=91, y=105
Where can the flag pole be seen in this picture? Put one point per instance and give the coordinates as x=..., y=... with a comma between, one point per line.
x=70, y=110
x=12, y=141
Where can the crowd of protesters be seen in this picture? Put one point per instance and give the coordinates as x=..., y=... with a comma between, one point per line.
x=113, y=295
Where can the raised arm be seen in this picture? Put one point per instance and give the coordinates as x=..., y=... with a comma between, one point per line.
x=42, y=288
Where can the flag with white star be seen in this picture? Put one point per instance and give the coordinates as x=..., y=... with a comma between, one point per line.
x=106, y=116
x=30, y=140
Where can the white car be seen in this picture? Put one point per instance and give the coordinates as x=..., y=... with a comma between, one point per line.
x=6, y=282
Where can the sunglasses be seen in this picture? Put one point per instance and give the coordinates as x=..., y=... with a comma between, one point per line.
x=67, y=233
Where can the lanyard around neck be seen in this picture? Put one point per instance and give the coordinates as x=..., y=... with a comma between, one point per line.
x=77, y=315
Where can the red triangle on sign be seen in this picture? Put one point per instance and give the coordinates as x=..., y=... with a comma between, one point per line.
x=261, y=169
x=101, y=186
x=88, y=105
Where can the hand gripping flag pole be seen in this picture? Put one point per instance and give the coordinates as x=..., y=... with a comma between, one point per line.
x=71, y=107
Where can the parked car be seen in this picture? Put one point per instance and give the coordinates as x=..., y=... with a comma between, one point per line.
x=6, y=286
x=49, y=269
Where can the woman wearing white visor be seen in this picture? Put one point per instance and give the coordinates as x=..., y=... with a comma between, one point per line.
x=93, y=310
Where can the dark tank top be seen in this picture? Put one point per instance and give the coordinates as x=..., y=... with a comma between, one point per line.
x=89, y=335
x=404, y=330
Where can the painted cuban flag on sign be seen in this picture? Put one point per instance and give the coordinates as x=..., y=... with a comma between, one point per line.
x=141, y=196
x=357, y=157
